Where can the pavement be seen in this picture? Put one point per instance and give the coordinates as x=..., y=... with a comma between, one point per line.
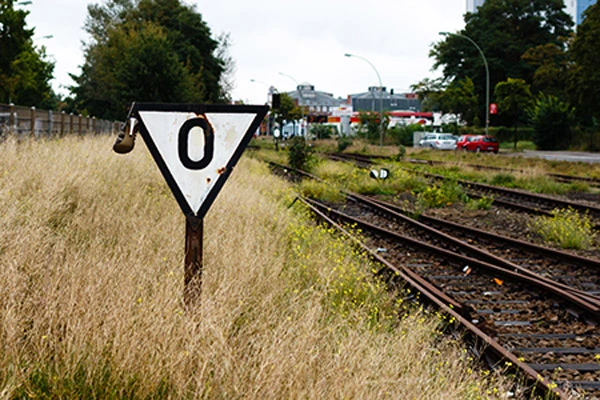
x=572, y=156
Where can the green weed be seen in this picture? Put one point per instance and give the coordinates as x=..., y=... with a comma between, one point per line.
x=441, y=196
x=566, y=227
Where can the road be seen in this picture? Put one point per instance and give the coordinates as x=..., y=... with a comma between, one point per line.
x=573, y=156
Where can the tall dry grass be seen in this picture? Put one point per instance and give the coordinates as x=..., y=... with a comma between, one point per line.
x=91, y=254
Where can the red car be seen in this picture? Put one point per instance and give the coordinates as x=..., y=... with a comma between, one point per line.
x=477, y=143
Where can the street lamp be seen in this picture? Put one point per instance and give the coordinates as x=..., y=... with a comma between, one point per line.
x=299, y=87
x=380, y=96
x=272, y=90
x=487, y=77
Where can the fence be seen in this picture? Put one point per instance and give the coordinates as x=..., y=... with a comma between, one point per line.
x=28, y=121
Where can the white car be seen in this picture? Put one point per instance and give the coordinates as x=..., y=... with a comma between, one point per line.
x=439, y=141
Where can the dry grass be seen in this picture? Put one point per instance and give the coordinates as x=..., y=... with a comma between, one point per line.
x=91, y=254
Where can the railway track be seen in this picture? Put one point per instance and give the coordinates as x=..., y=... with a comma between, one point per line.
x=536, y=314
x=519, y=200
x=549, y=327
x=592, y=182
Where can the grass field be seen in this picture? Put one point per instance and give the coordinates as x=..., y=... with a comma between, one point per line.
x=91, y=281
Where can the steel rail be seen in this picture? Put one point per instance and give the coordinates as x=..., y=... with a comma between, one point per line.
x=550, y=286
x=549, y=387
x=546, y=251
x=589, y=302
x=475, y=250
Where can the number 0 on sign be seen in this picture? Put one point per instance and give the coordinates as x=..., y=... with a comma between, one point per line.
x=196, y=146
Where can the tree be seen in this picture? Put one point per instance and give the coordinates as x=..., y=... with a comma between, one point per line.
x=552, y=120
x=147, y=50
x=585, y=77
x=514, y=101
x=460, y=98
x=288, y=110
x=551, y=63
x=504, y=30
x=25, y=73
x=430, y=92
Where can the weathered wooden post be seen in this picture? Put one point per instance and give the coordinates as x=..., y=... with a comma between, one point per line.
x=32, y=122
x=192, y=275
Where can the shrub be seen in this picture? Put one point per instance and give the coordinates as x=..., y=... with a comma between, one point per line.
x=299, y=152
x=503, y=179
x=484, y=203
x=441, y=196
x=401, y=152
x=321, y=131
x=343, y=142
x=566, y=228
x=403, y=134
x=552, y=120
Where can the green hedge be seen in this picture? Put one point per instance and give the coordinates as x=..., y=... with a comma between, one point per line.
x=502, y=133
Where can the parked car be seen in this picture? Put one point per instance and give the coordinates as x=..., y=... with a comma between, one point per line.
x=462, y=141
x=439, y=141
x=481, y=143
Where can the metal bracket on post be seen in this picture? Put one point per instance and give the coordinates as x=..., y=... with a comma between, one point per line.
x=193, y=261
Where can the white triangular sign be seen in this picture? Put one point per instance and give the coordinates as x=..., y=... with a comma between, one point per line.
x=196, y=146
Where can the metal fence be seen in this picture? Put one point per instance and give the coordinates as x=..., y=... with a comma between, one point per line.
x=22, y=121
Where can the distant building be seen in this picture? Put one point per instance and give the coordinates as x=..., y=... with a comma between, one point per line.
x=378, y=97
x=574, y=8
x=320, y=105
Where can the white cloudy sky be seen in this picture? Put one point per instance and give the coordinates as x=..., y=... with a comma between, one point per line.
x=305, y=39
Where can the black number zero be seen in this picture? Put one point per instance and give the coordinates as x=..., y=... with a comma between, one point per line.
x=183, y=143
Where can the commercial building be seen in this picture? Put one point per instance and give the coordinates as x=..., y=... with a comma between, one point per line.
x=378, y=97
x=319, y=104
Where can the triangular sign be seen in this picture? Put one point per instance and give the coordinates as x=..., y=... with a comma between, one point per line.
x=196, y=146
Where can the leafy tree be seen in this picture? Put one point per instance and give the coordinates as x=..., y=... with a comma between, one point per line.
x=585, y=78
x=288, y=110
x=551, y=63
x=147, y=50
x=25, y=73
x=371, y=121
x=504, y=30
x=514, y=101
x=430, y=92
x=552, y=120
x=460, y=98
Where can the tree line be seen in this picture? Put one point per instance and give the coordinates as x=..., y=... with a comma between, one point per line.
x=542, y=72
x=138, y=50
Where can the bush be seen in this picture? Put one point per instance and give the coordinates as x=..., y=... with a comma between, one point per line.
x=566, y=228
x=299, y=152
x=401, y=152
x=552, y=120
x=441, y=196
x=483, y=203
x=321, y=131
x=502, y=133
x=343, y=142
x=503, y=179
x=403, y=134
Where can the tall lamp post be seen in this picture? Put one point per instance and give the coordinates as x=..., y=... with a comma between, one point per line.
x=380, y=95
x=487, y=77
x=301, y=97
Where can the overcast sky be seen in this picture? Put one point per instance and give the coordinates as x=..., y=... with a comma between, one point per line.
x=304, y=39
